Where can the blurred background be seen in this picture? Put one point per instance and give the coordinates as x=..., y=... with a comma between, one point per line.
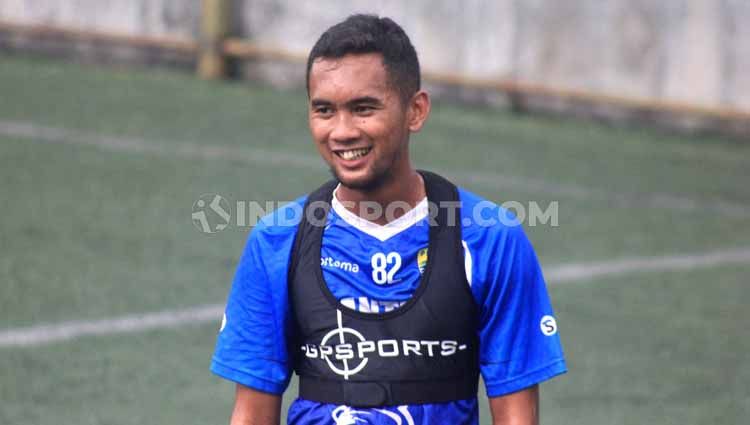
x=124, y=124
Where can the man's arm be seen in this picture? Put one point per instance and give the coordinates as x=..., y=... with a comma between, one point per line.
x=252, y=407
x=519, y=408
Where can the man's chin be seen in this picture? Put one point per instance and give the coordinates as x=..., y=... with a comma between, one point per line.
x=366, y=182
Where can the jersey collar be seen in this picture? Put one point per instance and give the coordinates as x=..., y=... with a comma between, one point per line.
x=385, y=231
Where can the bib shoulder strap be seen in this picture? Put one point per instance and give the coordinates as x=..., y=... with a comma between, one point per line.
x=314, y=212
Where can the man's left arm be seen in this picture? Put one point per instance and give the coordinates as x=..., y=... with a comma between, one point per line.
x=519, y=408
x=519, y=342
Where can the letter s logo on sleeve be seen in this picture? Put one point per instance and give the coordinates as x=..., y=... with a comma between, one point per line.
x=548, y=325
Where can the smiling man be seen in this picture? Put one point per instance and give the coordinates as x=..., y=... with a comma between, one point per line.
x=388, y=297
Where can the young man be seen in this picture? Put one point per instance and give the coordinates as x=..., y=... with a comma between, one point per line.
x=384, y=303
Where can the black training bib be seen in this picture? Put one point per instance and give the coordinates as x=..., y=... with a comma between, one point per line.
x=426, y=351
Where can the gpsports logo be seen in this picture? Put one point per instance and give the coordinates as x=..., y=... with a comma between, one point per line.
x=345, y=415
x=347, y=351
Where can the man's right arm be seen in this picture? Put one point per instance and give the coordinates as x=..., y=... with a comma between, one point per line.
x=252, y=407
x=251, y=345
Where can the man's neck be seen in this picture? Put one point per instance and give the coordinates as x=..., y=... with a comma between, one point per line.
x=394, y=199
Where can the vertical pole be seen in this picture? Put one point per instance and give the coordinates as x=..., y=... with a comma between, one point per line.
x=214, y=28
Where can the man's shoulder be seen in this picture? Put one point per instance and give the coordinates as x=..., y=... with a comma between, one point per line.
x=485, y=218
x=281, y=222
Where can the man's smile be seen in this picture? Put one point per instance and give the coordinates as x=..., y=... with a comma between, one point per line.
x=351, y=154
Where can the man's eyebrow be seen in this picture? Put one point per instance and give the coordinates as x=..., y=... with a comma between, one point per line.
x=352, y=102
x=320, y=102
x=365, y=99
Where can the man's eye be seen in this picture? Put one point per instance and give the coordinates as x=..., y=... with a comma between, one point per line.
x=323, y=110
x=363, y=109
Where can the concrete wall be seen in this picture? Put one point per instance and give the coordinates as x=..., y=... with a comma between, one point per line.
x=695, y=51
x=177, y=19
x=692, y=51
x=174, y=18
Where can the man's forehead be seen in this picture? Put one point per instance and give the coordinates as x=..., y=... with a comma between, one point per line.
x=324, y=63
x=350, y=72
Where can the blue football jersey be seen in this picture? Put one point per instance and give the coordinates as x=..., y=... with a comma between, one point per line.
x=375, y=269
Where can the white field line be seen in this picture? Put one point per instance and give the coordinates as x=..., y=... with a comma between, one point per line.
x=566, y=273
x=187, y=150
x=213, y=151
x=45, y=334
x=576, y=272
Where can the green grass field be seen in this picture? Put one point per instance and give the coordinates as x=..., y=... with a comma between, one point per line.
x=94, y=231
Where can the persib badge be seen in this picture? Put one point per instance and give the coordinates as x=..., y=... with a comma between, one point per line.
x=422, y=260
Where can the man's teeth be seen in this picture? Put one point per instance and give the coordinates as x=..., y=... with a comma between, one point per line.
x=354, y=153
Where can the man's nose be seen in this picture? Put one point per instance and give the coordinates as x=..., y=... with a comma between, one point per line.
x=344, y=129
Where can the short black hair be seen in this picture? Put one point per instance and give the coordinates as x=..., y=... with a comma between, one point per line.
x=360, y=34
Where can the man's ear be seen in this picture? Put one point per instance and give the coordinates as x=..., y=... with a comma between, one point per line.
x=419, y=110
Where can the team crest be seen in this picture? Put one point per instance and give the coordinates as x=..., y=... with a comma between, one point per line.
x=422, y=260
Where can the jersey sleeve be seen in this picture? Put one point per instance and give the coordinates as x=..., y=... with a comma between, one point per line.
x=251, y=346
x=519, y=343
